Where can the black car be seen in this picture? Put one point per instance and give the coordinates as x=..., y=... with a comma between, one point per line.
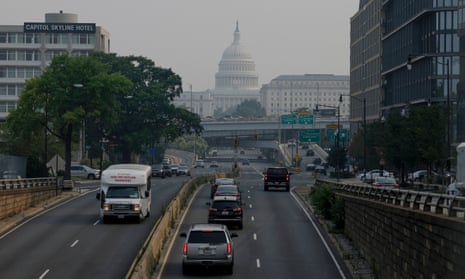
x=167, y=170
x=225, y=210
x=157, y=171
x=310, y=152
x=317, y=161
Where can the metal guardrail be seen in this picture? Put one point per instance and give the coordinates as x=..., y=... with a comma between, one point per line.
x=23, y=183
x=446, y=205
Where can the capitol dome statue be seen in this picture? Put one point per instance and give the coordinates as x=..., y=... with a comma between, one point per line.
x=236, y=69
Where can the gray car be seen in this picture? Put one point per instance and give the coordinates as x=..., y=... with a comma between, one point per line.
x=208, y=246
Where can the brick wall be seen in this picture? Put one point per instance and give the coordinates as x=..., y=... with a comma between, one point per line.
x=15, y=201
x=405, y=243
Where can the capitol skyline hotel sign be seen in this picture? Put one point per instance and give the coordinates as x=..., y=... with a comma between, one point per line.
x=40, y=27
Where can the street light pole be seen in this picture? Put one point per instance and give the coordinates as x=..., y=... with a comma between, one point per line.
x=364, y=116
x=448, y=65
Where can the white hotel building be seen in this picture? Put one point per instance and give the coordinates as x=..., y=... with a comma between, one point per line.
x=26, y=50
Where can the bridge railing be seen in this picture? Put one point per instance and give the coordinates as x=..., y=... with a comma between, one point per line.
x=446, y=205
x=22, y=183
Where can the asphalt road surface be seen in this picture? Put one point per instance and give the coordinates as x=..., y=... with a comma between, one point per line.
x=279, y=240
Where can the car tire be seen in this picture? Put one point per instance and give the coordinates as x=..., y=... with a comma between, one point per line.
x=185, y=270
x=240, y=226
x=229, y=269
x=266, y=188
x=91, y=176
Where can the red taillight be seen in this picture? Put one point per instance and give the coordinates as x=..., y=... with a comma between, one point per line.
x=377, y=184
x=265, y=177
x=184, y=249
x=212, y=209
x=237, y=209
x=287, y=177
x=229, y=248
x=237, y=195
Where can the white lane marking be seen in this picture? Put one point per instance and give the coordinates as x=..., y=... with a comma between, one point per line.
x=250, y=205
x=258, y=263
x=254, y=236
x=45, y=273
x=249, y=197
x=252, y=218
x=74, y=243
x=96, y=222
x=319, y=234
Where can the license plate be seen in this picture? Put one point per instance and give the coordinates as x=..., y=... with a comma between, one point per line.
x=120, y=216
x=225, y=213
x=208, y=252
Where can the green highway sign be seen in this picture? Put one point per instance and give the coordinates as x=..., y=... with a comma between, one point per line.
x=309, y=135
x=306, y=119
x=289, y=119
x=331, y=135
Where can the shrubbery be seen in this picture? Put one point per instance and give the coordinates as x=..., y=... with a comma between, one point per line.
x=328, y=205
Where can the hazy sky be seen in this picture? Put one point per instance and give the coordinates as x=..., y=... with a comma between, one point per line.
x=189, y=36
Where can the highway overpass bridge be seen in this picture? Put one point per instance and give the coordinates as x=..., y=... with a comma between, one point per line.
x=269, y=133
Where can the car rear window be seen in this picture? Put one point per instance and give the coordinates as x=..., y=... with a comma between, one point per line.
x=207, y=237
x=220, y=205
x=277, y=171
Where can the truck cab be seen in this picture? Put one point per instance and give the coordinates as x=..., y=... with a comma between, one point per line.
x=125, y=192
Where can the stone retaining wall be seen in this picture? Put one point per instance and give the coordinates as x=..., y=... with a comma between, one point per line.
x=405, y=243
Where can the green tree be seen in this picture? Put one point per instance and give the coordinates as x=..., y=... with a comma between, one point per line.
x=250, y=109
x=147, y=115
x=55, y=102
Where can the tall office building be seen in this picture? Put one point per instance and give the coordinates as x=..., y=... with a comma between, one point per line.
x=421, y=56
x=26, y=50
x=365, y=64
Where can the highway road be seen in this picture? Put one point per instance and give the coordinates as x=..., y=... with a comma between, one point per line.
x=279, y=239
x=69, y=241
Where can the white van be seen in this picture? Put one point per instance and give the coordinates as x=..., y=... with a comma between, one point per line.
x=125, y=192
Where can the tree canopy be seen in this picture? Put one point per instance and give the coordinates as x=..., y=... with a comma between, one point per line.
x=126, y=101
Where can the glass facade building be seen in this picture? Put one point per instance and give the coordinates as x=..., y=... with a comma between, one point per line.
x=421, y=55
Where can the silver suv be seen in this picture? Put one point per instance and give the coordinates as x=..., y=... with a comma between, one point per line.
x=84, y=172
x=208, y=246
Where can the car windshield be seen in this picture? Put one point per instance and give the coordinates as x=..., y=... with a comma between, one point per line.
x=207, y=237
x=123, y=192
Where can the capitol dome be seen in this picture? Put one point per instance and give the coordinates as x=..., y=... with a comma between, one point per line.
x=236, y=69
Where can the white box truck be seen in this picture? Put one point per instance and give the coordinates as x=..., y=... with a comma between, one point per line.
x=125, y=192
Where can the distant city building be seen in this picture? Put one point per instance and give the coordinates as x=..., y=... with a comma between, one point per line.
x=236, y=81
x=287, y=94
x=26, y=50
